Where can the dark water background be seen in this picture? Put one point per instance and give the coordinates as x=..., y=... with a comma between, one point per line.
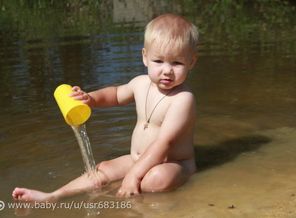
x=244, y=82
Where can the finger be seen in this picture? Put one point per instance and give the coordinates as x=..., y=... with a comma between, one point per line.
x=133, y=194
x=129, y=195
x=75, y=93
x=119, y=193
x=85, y=96
x=76, y=88
x=78, y=95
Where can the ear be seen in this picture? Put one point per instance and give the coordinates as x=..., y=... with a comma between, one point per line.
x=193, y=61
x=144, y=56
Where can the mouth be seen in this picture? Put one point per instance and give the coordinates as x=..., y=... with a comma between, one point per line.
x=166, y=81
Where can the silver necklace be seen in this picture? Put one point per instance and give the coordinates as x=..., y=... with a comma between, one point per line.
x=149, y=118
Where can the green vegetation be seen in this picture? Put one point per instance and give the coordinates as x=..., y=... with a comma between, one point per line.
x=227, y=25
x=44, y=18
x=235, y=19
x=247, y=21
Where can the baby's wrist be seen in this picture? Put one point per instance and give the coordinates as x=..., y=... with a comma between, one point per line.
x=91, y=102
x=136, y=177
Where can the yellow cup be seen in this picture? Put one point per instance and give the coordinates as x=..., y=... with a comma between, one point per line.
x=74, y=111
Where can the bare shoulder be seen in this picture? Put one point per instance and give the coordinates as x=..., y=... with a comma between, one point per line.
x=126, y=92
x=183, y=104
x=138, y=81
x=184, y=96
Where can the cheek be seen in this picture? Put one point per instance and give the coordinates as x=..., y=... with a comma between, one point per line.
x=181, y=72
x=152, y=74
x=153, y=70
x=181, y=75
x=152, y=77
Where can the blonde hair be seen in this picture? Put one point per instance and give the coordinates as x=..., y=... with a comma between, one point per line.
x=171, y=31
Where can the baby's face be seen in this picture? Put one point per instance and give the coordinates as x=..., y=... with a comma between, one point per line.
x=166, y=68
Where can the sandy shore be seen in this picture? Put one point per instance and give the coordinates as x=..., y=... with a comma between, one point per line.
x=256, y=183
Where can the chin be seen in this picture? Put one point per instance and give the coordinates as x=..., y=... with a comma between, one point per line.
x=166, y=86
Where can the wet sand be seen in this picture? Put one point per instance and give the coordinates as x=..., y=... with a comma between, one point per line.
x=251, y=173
x=257, y=183
x=256, y=179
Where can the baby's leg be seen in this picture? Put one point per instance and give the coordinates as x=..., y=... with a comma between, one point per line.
x=24, y=194
x=115, y=169
x=108, y=171
x=167, y=176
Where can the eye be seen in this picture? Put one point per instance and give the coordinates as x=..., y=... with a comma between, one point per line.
x=177, y=63
x=158, y=61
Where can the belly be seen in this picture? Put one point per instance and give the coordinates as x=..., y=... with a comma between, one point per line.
x=143, y=137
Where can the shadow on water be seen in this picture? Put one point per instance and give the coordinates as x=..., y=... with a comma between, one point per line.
x=208, y=156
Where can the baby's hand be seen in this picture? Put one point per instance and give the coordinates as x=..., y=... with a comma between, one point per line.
x=130, y=186
x=79, y=94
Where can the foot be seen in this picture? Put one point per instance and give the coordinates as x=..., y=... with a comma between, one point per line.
x=29, y=195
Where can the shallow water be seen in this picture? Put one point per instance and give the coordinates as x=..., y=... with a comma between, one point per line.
x=246, y=124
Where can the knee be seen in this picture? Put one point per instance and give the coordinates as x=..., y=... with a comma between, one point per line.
x=102, y=168
x=103, y=165
x=156, y=180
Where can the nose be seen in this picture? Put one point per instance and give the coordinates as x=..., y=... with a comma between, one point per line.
x=167, y=69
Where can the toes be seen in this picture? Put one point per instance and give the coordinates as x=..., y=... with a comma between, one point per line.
x=18, y=193
x=15, y=192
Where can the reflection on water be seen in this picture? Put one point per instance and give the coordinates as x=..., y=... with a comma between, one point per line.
x=244, y=83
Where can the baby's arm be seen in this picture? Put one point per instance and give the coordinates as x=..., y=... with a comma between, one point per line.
x=105, y=97
x=179, y=118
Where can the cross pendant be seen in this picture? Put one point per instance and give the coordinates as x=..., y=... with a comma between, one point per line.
x=145, y=126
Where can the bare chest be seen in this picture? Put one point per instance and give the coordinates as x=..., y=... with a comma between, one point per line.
x=151, y=109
